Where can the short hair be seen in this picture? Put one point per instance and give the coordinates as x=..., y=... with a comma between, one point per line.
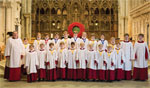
x=51, y=44
x=100, y=45
x=142, y=35
x=118, y=42
x=25, y=39
x=46, y=34
x=72, y=43
x=102, y=34
x=62, y=43
x=31, y=45
x=126, y=34
x=65, y=32
x=42, y=44
x=56, y=33
x=93, y=34
x=82, y=43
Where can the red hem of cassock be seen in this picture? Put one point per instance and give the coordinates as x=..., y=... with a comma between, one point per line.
x=140, y=73
x=61, y=73
x=71, y=74
x=127, y=75
x=81, y=74
x=91, y=74
x=110, y=75
x=32, y=77
x=119, y=74
x=42, y=73
x=23, y=70
x=12, y=74
x=101, y=74
x=51, y=74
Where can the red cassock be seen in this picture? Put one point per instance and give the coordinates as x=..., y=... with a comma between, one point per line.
x=140, y=64
x=13, y=53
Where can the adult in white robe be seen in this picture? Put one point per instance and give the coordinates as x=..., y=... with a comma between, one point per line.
x=127, y=47
x=14, y=54
x=141, y=51
x=51, y=64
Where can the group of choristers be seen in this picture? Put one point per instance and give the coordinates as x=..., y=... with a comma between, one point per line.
x=84, y=59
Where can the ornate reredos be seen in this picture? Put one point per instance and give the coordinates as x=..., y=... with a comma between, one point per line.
x=98, y=16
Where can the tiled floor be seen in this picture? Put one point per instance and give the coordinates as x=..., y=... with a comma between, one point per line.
x=72, y=84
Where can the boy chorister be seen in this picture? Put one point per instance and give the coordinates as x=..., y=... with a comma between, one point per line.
x=119, y=62
x=93, y=41
x=110, y=61
x=112, y=42
x=47, y=41
x=62, y=57
x=127, y=47
x=81, y=62
x=76, y=40
x=71, y=60
x=37, y=42
x=51, y=63
x=101, y=68
x=141, y=51
x=31, y=64
x=104, y=42
x=26, y=49
x=91, y=63
x=42, y=59
x=56, y=41
x=66, y=40
x=85, y=40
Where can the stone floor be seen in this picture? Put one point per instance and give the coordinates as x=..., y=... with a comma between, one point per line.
x=71, y=84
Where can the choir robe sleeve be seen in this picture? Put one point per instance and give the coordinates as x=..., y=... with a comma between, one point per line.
x=113, y=59
x=36, y=60
x=66, y=55
x=132, y=52
x=147, y=57
x=135, y=52
x=96, y=58
x=8, y=48
x=123, y=56
x=27, y=60
x=56, y=56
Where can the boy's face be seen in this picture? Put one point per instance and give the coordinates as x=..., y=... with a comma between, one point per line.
x=66, y=35
x=82, y=45
x=91, y=47
x=51, y=46
x=46, y=37
x=84, y=35
x=126, y=37
x=100, y=47
x=62, y=46
x=113, y=41
x=118, y=45
x=140, y=38
x=75, y=35
x=39, y=36
x=102, y=37
x=31, y=48
x=110, y=48
x=92, y=37
x=72, y=45
x=25, y=41
x=57, y=36
x=42, y=46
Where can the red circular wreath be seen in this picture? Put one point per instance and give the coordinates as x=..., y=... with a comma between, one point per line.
x=71, y=26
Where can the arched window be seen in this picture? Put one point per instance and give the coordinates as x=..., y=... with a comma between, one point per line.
x=53, y=11
x=107, y=11
x=96, y=11
x=42, y=11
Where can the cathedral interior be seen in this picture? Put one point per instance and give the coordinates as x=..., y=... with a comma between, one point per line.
x=113, y=18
